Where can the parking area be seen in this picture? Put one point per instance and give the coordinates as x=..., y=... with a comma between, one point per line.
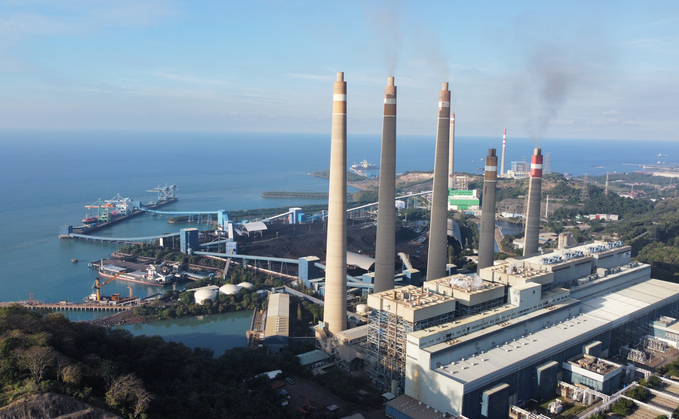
x=320, y=398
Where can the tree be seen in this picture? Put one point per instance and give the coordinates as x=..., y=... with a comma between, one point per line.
x=36, y=359
x=622, y=406
x=299, y=312
x=128, y=389
x=72, y=374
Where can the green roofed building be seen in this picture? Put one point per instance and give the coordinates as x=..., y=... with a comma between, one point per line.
x=462, y=200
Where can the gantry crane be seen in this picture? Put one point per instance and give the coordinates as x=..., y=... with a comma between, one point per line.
x=98, y=286
x=103, y=210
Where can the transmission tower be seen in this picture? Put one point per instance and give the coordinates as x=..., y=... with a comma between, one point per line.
x=584, y=193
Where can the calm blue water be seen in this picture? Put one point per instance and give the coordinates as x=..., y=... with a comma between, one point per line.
x=218, y=332
x=48, y=178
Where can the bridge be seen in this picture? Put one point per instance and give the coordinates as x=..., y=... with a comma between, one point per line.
x=143, y=239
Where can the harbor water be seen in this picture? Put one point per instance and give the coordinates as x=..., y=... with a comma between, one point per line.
x=218, y=332
x=49, y=177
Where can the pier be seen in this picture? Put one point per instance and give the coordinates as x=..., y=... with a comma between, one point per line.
x=35, y=305
x=70, y=232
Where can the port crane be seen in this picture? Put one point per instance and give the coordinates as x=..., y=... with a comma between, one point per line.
x=103, y=210
x=98, y=286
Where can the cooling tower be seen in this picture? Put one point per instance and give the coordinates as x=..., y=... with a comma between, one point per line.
x=532, y=236
x=487, y=238
x=385, y=246
x=438, y=241
x=335, y=308
x=451, y=152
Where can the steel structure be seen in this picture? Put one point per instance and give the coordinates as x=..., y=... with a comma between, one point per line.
x=165, y=193
x=103, y=210
x=122, y=205
x=386, y=346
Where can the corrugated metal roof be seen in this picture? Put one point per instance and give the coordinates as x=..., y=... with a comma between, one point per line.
x=278, y=316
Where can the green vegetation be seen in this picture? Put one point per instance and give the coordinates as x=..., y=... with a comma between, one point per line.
x=671, y=369
x=599, y=415
x=638, y=393
x=133, y=376
x=622, y=406
x=366, y=197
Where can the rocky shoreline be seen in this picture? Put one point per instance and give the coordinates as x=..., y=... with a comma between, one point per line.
x=120, y=319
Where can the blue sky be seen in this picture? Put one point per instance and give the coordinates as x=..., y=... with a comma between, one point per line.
x=557, y=69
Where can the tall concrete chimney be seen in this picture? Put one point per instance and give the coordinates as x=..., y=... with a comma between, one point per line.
x=487, y=238
x=335, y=310
x=438, y=240
x=532, y=236
x=451, y=152
x=385, y=246
x=504, y=142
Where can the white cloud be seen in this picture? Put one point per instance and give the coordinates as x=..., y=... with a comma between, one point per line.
x=611, y=112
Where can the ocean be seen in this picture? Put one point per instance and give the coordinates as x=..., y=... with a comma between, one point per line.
x=49, y=176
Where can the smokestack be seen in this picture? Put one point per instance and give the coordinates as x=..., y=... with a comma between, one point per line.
x=532, y=236
x=335, y=311
x=451, y=152
x=487, y=238
x=385, y=246
x=504, y=142
x=438, y=240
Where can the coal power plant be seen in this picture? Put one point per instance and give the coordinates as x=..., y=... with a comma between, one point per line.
x=565, y=322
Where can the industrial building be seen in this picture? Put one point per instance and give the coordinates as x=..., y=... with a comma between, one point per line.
x=518, y=329
x=462, y=199
x=478, y=346
x=277, y=328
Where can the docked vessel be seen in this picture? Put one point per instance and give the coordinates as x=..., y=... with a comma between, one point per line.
x=89, y=219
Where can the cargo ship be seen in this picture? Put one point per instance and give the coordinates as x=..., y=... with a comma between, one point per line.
x=156, y=275
x=364, y=165
x=89, y=219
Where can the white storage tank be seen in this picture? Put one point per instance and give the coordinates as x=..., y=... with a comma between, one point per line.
x=246, y=285
x=205, y=294
x=229, y=289
x=362, y=309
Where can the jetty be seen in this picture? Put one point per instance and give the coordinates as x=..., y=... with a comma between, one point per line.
x=66, y=306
